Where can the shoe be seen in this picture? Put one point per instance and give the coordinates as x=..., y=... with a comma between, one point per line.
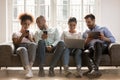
x=29, y=74
x=94, y=74
x=87, y=51
x=93, y=68
x=85, y=73
x=67, y=74
x=78, y=73
x=51, y=72
x=41, y=72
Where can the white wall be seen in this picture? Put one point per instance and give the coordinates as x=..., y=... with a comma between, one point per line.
x=110, y=16
x=2, y=20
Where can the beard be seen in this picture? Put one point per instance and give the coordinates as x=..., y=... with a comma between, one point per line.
x=42, y=28
x=91, y=26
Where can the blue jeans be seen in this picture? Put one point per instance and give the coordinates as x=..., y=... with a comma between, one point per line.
x=58, y=51
x=76, y=53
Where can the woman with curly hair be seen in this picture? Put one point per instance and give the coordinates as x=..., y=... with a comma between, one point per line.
x=24, y=44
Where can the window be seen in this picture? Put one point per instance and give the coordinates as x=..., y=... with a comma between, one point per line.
x=74, y=8
x=57, y=12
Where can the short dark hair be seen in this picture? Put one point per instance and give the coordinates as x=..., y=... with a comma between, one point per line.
x=72, y=19
x=91, y=16
x=23, y=17
x=39, y=17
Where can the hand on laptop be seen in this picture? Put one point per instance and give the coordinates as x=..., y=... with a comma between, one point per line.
x=88, y=39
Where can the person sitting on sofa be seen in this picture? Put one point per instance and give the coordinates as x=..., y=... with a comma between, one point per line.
x=76, y=53
x=96, y=44
x=24, y=44
x=48, y=40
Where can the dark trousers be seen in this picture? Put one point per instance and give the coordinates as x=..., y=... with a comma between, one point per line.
x=96, y=51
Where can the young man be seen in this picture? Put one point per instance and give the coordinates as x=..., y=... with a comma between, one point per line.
x=95, y=47
x=48, y=40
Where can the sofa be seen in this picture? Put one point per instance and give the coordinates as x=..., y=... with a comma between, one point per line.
x=8, y=58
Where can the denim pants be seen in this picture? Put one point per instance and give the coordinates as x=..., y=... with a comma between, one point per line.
x=76, y=53
x=27, y=52
x=57, y=50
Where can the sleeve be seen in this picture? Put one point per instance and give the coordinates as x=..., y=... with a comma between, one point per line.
x=31, y=34
x=57, y=37
x=79, y=35
x=14, y=35
x=36, y=37
x=109, y=35
x=84, y=35
x=63, y=36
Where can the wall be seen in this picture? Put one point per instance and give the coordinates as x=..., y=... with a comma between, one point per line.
x=2, y=20
x=110, y=16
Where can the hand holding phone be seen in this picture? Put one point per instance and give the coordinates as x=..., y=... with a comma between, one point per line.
x=27, y=33
x=45, y=35
x=45, y=32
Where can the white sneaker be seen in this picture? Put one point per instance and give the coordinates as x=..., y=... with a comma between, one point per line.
x=29, y=74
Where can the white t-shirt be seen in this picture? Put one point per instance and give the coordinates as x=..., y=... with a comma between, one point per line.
x=24, y=40
x=67, y=34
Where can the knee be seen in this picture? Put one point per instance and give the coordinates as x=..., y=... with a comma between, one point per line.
x=61, y=43
x=41, y=42
x=66, y=51
x=33, y=44
x=98, y=44
x=21, y=50
x=78, y=52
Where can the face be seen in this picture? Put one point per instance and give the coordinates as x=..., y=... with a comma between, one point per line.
x=26, y=24
x=72, y=25
x=90, y=23
x=40, y=22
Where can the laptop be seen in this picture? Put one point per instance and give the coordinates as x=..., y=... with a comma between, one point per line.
x=74, y=43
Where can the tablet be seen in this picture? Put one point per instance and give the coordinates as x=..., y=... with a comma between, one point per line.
x=94, y=35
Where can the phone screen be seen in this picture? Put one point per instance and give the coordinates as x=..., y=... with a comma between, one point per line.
x=45, y=32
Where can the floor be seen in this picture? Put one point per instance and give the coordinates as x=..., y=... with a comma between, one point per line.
x=109, y=73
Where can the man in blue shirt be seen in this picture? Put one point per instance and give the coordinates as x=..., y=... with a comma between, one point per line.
x=95, y=47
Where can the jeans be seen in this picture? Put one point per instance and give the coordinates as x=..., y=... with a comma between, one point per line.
x=76, y=53
x=27, y=52
x=58, y=51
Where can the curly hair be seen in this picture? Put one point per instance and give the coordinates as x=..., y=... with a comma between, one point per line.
x=23, y=17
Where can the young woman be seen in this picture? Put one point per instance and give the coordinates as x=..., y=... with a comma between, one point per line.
x=72, y=33
x=24, y=44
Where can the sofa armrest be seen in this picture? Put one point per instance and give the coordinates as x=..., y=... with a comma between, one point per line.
x=6, y=51
x=7, y=46
x=114, y=47
x=114, y=51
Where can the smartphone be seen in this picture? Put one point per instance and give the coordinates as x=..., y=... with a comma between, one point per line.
x=45, y=32
x=27, y=31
